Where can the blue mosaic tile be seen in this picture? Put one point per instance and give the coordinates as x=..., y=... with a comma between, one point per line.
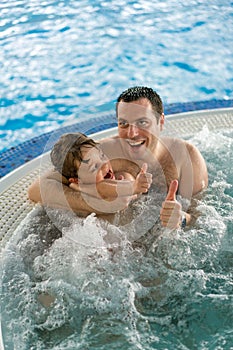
x=30, y=149
x=15, y=156
x=195, y=106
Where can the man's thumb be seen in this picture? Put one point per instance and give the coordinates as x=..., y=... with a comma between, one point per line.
x=171, y=196
x=144, y=168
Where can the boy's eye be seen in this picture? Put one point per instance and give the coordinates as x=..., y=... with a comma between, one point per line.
x=103, y=156
x=94, y=168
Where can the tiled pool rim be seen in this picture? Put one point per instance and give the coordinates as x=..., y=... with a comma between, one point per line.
x=18, y=155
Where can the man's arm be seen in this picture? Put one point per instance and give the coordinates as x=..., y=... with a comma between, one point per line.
x=199, y=170
x=52, y=190
x=193, y=179
x=171, y=214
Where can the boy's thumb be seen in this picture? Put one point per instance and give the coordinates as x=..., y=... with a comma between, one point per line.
x=144, y=168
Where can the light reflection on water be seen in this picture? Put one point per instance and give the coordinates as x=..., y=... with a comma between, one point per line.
x=170, y=290
x=68, y=59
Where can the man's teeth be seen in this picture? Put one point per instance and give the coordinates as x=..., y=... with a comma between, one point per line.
x=135, y=143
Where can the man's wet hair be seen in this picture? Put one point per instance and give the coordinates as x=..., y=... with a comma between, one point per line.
x=67, y=150
x=138, y=92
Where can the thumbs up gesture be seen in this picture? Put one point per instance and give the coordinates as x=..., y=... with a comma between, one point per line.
x=143, y=180
x=171, y=212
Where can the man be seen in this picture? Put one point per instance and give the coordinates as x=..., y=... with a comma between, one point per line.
x=177, y=166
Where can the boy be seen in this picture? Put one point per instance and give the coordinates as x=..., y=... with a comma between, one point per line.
x=79, y=159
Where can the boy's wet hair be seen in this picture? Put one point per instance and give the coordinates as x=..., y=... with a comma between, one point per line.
x=67, y=150
x=137, y=92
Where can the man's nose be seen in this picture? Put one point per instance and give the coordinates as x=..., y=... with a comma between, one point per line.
x=132, y=131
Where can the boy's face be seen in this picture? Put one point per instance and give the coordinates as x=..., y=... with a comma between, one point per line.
x=95, y=166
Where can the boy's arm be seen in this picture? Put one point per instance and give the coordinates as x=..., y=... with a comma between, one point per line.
x=124, y=166
x=111, y=189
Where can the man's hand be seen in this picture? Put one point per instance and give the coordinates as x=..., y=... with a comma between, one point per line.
x=143, y=181
x=171, y=212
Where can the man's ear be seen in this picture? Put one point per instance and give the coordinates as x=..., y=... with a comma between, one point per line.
x=73, y=180
x=161, y=121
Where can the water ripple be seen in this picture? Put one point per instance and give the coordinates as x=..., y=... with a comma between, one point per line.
x=92, y=51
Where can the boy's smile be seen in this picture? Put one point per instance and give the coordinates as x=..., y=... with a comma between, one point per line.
x=95, y=166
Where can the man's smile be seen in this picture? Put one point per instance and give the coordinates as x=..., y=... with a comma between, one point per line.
x=135, y=143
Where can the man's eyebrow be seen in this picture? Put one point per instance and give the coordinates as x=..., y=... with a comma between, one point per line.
x=136, y=119
x=86, y=161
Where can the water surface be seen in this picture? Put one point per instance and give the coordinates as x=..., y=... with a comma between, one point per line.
x=66, y=60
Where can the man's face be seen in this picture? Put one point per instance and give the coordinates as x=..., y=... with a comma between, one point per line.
x=138, y=128
x=95, y=166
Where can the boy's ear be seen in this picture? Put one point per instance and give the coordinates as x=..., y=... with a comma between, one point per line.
x=73, y=180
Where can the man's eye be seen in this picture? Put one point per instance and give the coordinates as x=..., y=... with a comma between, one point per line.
x=142, y=123
x=123, y=124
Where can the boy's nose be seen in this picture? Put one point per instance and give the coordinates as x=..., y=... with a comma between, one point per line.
x=104, y=166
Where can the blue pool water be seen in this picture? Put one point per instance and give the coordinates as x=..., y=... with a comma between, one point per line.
x=65, y=61
x=62, y=61
x=169, y=290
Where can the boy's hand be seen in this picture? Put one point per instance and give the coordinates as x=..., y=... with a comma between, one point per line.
x=143, y=181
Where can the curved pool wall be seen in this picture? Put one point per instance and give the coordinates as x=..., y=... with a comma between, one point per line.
x=18, y=155
x=194, y=308
x=197, y=113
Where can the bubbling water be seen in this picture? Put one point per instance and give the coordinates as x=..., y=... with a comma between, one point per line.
x=126, y=285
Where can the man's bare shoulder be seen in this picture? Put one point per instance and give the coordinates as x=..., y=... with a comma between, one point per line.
x=172, y=141
x=113, y=149
x=175, y=153
x=110, y=140
x=111, y=146
x=184, y=146
x=175, y=147
x=180, y=146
